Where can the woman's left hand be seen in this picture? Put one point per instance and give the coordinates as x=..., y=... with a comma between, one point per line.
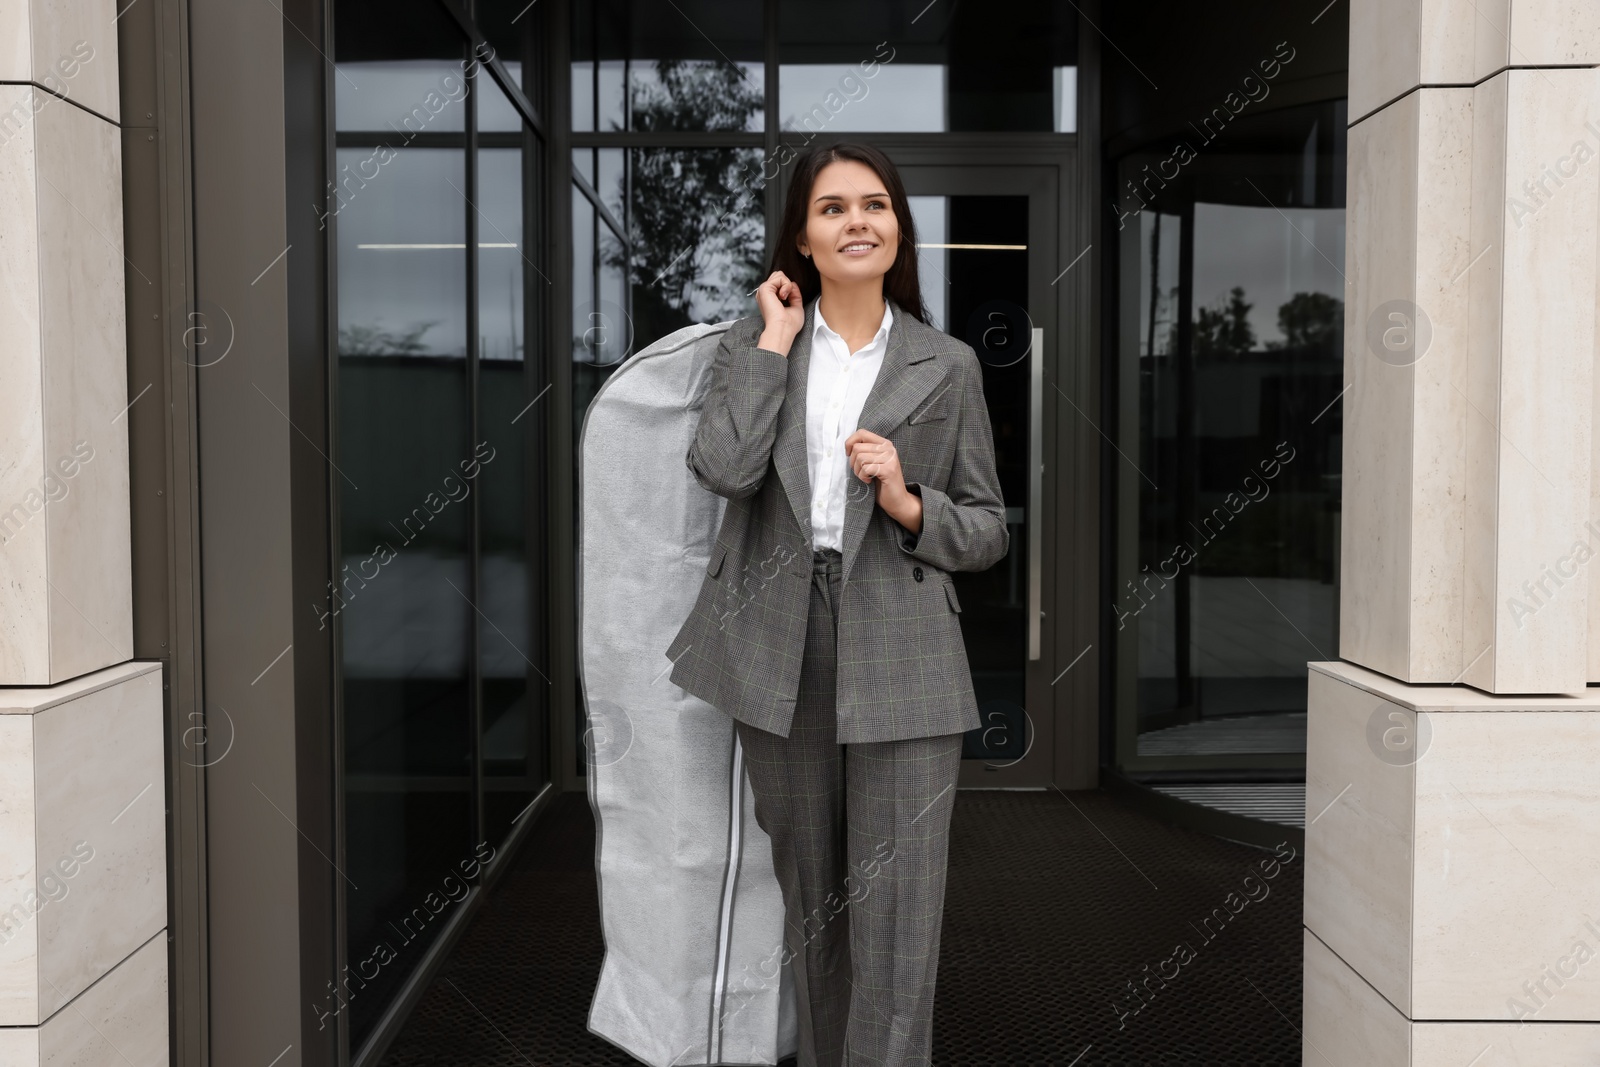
x=875, y=460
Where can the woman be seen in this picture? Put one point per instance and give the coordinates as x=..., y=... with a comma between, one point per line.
x=852, y=442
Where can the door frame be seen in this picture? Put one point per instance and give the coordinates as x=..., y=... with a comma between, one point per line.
x=1065, y=679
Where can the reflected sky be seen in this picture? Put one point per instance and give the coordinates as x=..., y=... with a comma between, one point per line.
x=401, y=248
x=1271, y=254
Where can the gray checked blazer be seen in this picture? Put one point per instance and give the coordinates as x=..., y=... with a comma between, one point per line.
x=902, y=667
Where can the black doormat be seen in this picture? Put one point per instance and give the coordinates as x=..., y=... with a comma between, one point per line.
x=1077, y=932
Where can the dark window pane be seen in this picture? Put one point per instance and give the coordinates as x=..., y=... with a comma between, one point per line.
x=402, y=434
x=1231, y=345
x=687, y=65
x=514, y=28
x=513, y=683
x=972, y=256
x=940, y=67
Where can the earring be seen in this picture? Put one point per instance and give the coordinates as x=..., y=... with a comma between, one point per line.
x=807, y=255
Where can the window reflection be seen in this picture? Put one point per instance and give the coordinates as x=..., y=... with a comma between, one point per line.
x=434, y=598
x=867, y=95
x=972, y=258
x=688, y=65
x=402, y=282
x=845, y=67
x=406, y=96
x=1231, y=352
x=702, y=266
x=402, y=437
x=496, y=113
x=932, y=216
x=514, y=689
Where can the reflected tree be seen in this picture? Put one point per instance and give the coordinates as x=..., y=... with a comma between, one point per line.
x=696, y=228
x=1311, y=321
x=374, y=340
x=1225, y=330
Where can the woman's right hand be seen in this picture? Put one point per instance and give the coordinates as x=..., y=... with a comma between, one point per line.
x=782, y=312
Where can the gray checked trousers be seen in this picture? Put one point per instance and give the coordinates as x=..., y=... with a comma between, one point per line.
x=860, y=840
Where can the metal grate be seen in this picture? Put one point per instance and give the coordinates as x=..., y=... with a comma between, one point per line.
x=1055, y=902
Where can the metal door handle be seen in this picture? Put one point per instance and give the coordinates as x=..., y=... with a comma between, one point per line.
x=1035, y=511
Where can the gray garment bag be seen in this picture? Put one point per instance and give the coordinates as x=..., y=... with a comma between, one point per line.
x=690, y=909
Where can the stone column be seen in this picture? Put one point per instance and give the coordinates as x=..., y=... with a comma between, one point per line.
x=1452, y=904
x=83, y=957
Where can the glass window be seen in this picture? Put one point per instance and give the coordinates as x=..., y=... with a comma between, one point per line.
x=512, y=27
x=583, y=163
x=514, y=687
x=1231, y=342
x=405, y=562
x=866, y=95
x=496, y=113
x=939, y=67
x=932, y=216
x=441, y=514
x=972, y=258
x=698, y=266
x=408, y=96
x=402, y=281
x=687, y=65
x=583, y=277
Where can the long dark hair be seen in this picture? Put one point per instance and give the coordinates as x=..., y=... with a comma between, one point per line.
x=901, y=283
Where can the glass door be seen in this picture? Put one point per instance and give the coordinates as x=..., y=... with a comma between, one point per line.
x=1229, y=367
x=987, y=249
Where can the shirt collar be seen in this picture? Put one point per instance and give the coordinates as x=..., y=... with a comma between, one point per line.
x=821, y=323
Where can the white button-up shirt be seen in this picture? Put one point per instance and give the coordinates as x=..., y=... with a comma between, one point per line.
x=837, y=384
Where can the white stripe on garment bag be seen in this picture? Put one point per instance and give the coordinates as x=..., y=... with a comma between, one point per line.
x=730, y=881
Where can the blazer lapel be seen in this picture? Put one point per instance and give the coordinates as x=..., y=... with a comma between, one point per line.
x=789, y=449
x=908, y=375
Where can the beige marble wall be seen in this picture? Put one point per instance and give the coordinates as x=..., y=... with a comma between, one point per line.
x=1400, y=45
x=1474, y=216
x=82, y=834
x=69, y=48
x=1503, y=1045
x=1506, y=866
x=1592, y=531
x=1358, y=888
x=65, y=559
x=1536, y=204
x=120, y=1021
x=1346, y=1023
x=1408, y=251
x=1453, y=834
x=1453, y=847
x=24, y=607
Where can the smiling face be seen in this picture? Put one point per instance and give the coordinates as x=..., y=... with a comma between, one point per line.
x=851, y=232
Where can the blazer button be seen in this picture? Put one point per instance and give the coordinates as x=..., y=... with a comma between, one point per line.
x=916, y=572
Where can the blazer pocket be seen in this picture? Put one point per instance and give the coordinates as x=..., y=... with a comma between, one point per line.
x=714, y=564
x=935, y=409
x=950, y=595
